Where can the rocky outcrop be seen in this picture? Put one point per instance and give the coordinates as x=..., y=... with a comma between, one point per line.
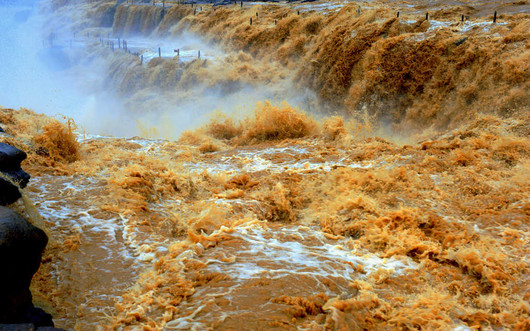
x=11, y=173
x=21, y=248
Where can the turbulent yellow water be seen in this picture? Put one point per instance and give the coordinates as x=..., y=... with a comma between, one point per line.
x=330, y=229
x=277, y=219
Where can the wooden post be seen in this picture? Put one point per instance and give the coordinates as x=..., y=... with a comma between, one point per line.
x=194, y=11
x=427, y=16
x=495, y=17
x=159, y=52
x=142, y=59
x=119, y=42
x=462, y=17
x=199, y=54
x=398, y=14
x=241, y=4
x=251, y=21
x=298, y=12
x=256, y=14
x=275, y=22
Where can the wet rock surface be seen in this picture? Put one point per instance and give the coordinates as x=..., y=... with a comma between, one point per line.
x=26, y=327
x=10, y=172
x=21, y=248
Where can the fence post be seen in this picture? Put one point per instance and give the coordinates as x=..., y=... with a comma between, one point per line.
x=495, y=17
x=159, y=52
x=427, y=16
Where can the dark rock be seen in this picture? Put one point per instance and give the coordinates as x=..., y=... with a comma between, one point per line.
x=27, y=327
x=18, y=176
x=8, y=193
x=21, y=247
x=10, y=159
x=17, y=327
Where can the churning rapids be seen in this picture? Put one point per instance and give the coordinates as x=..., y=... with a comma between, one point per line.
x=106, y=253
x=408, y=208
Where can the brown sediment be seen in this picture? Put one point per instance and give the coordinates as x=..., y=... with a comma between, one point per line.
x=407, y=70
x=302, y=307
x=133, y=19
x=455, y=203
x=269, y=122
x=59, y=142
